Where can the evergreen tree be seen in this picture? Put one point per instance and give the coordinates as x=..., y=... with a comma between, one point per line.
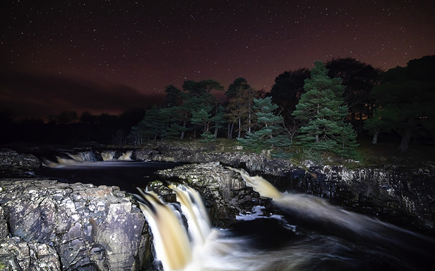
x=202, y=117
x=173, y=96
x=148, y=127
x=272, y=133
x=358, y=78
x=137, y=134
x=382, y=120
x=197, y=96
x=406, y=98
x=240, y=109
x=238, y=84
x=347, y=141
x=218, y=120
x=287, y=91
x=321, y=112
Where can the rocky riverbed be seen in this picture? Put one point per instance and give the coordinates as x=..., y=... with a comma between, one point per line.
x=58, y=226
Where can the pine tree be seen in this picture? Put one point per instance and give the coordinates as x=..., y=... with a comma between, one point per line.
x=202, y=117
x=272, y=134
x=151, y=126
x=405, y=100
x=218, y=120
x=382, y=120
x=173, y=96
x=240, y=109
x=347, y=141
x=197, y=96
x=321, y=112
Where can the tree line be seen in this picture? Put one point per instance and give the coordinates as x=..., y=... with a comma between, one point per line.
x=253, y=117
x=322, y=109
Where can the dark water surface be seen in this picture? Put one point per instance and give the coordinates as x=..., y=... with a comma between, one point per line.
x=127, y=175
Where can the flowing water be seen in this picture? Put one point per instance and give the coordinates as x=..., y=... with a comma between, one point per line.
x=312, y=235
x=104, y=169
x=309, y=233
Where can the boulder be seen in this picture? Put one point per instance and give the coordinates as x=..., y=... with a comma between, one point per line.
x=84, y=227
x=13, y=164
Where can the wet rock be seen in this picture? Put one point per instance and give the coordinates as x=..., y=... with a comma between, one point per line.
x=4, y=231
x=403, y=196
x=16, y=254
x=13, y=164
x=88, y=227
x=224, y=193
x=144, y=154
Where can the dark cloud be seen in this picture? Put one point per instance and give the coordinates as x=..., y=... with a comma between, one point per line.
x=37, y=96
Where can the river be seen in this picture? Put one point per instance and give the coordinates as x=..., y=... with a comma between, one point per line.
x=309, y=234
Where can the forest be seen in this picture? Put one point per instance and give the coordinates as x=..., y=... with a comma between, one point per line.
x=320, y=110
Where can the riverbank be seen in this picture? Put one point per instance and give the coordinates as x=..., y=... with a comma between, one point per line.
x=393, y=193
x=401, y=193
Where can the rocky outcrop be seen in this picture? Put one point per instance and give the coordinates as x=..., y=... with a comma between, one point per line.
x=401, y=196
x=13, y=164
x=236, y=158
x=70, y=227
x=224, y=193
x=405, y=193
x=82, y=226
x=16, y=254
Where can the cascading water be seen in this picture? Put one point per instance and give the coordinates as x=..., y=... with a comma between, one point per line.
x=70, y=159
x=126, y=156
x=329, y=238
x=108, y=155
x=74, y=158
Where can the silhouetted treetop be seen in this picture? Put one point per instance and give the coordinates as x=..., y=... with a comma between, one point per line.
x=201, y=87
x=289, y=87
x=238, y=85
x=409, y=92
x=173, y=96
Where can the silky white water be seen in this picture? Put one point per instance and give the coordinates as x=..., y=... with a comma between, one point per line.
x=68, y=159
x=333, y=239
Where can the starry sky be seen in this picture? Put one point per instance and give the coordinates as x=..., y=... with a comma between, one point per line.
x=108, y=56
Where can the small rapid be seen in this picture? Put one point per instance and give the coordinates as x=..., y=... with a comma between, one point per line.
x=111, y=168
x=312, y=235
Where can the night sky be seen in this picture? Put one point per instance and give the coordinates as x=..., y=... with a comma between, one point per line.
x=108, y=56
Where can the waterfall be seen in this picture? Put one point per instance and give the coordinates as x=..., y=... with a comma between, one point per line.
x=107, y=155
x=170, y=240
x=70, y=159
x=335, y=240
x=81, y=158
x=126, y=156
x=87, y=156
x=195, y=212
